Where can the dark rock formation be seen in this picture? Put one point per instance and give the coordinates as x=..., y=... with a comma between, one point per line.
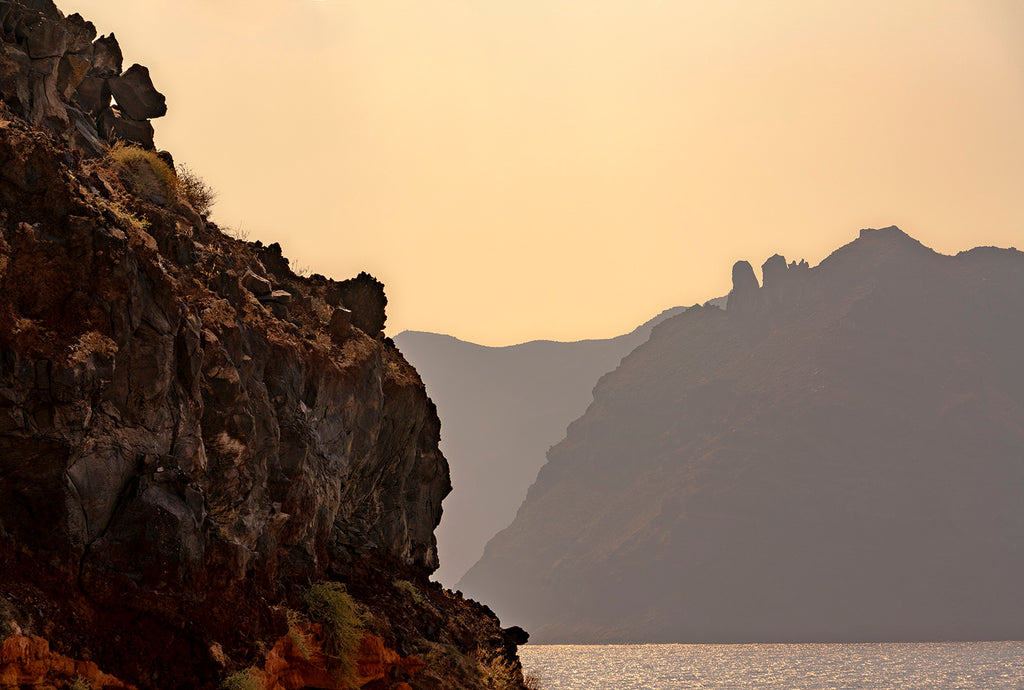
x=502, y=408
x=177, y=460
x=745, y=296
x=364, y=295
x=136, y=95
x=782, y=284
x=846, y=466
x=53, y=73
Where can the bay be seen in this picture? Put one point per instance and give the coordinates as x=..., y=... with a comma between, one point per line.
x=892, y=666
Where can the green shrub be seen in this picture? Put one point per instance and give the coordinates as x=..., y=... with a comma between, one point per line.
x=5, y=629
x=199, y=195
x=241, y=680
x=330, y=605
x=144, y=173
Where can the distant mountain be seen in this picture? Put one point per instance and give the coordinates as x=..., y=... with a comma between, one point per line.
x=839, y=456
x=501, y=408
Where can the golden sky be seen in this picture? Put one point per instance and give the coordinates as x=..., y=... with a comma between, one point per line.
x=565, y=169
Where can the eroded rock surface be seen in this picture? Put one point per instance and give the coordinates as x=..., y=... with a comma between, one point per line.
x=56, y=73
x=190, y=433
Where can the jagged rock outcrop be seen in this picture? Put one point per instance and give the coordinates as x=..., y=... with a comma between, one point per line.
x=842, y=465
x=745, y=296
x=57, y=74
x=182, y=451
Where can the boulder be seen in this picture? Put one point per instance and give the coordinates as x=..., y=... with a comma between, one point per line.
x=136, y=95
x=113, y=126
x=93, y=95
x=257, y=285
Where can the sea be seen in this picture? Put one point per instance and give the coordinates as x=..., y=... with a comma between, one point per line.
x=883, y=666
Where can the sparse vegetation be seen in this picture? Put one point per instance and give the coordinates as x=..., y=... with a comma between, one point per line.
x=79, y=683
x=127, y=218
x=295, y=634
x=330, y=605
x=147, y=175
x=144, y=173
x=241, y=680
x=197, y=193
x=239, y=233
x=497, y=674
x=411, y=591
x=5, y=629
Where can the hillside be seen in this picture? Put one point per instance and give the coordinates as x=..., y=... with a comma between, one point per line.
x=838, y=456
x=212, y=470
x=501, y=409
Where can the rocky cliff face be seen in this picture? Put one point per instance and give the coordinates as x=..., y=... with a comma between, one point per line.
x=189, y=432
x=502, y=408
x=838, y=456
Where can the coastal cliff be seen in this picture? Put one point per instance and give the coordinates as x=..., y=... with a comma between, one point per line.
x=838, y=456
x=192, y=436
x=502, y=408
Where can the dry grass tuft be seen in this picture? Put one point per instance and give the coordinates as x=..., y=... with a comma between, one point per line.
x=144, y=173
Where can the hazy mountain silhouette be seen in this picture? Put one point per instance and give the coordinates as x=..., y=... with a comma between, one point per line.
x=838, y=456
x=501, y=409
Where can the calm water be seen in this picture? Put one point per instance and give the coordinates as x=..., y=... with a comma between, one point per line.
x=895, y=666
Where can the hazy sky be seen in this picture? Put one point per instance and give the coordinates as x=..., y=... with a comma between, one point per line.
x=521, y=169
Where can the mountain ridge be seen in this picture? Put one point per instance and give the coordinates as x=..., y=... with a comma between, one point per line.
x=502, y=408
x=725, y=484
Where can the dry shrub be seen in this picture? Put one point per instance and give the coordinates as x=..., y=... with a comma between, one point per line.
x=199, y=195
x=147, y=175
x=144, y=173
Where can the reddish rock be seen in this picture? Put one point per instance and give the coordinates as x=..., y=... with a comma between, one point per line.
x=27, y=660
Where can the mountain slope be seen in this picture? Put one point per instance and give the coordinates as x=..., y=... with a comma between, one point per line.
x=838, y=456
x=501, y=409
x=213, y=472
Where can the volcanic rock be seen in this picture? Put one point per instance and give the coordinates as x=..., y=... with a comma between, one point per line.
x=136, y=95
x=177, y=466
x=257, y=285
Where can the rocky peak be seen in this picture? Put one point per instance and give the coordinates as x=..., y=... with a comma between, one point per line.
x=745, y=296
x=57, y=74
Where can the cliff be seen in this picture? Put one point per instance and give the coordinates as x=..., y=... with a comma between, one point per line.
x=192, y=436
x=835, y=457
x=502, y=408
